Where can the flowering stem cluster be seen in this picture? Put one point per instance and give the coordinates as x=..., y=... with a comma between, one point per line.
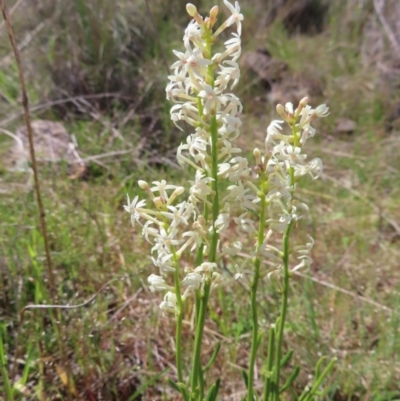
x=227, y=192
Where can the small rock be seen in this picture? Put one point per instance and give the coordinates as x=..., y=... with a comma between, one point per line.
x=345, y=125
x=52, y=143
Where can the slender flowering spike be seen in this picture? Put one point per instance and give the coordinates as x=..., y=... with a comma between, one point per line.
x=191, y=231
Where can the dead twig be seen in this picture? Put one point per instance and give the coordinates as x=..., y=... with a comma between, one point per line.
x=67, y=306
x=344, y=291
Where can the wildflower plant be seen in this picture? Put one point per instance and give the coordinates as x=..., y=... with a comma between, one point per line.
x=187, y=228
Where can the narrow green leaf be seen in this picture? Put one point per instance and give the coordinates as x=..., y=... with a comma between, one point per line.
x=286, y=358
x=213, y=392
x=213, y=356
x=245, y=378
x=174, y=385
x=318, y=366
x=290, y=379
x=309, y=393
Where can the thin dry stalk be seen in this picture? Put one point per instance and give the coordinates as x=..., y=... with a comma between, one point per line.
x=42, y=216
x=25, y=104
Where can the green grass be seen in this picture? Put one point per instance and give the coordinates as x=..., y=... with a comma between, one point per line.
x=115, y=344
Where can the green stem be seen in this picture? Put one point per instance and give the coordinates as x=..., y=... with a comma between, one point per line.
x=285, y=292
x=197, y=369
x=197, y=345
x=282, y=318
x=270, y=361
x=214, y=186
x=179, y=319
x=197, y=383
x=305, y=396
x=253, y=296
x=198, y=262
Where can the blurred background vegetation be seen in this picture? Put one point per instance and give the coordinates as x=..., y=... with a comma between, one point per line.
x=96, y=72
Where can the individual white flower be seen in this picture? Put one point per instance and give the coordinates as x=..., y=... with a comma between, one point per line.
x=164, y=262
x=164, y=240
x=237, y=167
x=305, y=262
x=314, y=168
x=290, y=154
x=193, y=239
x=299, y=209
x=226, y=150
x=230, y=125
x=279, y=183
x=149, y=231
x=243, y=274
x=232, y=249
x=236, y=17
x=281, y=224
x=183, y=58
x=289, y=109
x=177, y=215
x=200, y=188
x=192, y=32
x=233, y=48
x=157, y=283
x=273, y=134
x=223, y=219
x=192, y=281
x=212, y=101
x=233, y=107
x=134, y=208
x=322, y=111
x=229, y=70
x=206, y=267
x=244, y=224
x=305, y=249
x=161, y=187
x=305, y=114
x=196, y=61
x=169, y=304
x=216, y=280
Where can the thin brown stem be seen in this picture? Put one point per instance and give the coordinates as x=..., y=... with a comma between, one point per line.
x=42, y=217
x=25, y=104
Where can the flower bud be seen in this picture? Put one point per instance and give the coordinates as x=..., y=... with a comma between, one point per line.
x=303, y=102
x=214, y=12
x=257, y=156
x=143, y=184
x=159, y=202
x=178, y=191
x=191, y=9
x=281, y=111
